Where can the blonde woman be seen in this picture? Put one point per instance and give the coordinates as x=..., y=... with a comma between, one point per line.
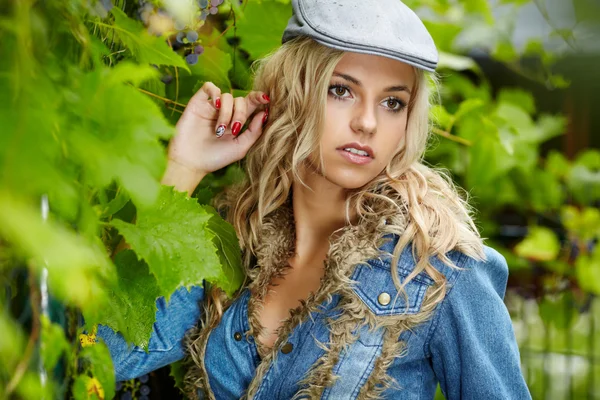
x=365, y=274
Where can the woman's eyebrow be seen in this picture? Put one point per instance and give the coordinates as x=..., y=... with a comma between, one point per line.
x=397, y=88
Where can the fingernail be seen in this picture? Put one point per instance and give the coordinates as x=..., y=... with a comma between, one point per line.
x=264, y=96
x=218, y=103
x=235, y=129
x=266, y=116
x=221, y=130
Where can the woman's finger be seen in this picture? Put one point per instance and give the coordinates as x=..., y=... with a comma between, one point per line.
x=255, y=99
x=225, y=114
x=239, y=115
x=208, y=91
x=252, y=133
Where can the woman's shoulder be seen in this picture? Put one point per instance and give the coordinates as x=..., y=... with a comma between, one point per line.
x=472, y=278
x=475, y=274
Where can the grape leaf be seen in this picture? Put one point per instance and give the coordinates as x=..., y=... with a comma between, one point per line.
x=53, y=343
x=86, y=388
x=213, y=65
x=226, y=241
x=541, y=244
x=587, y=270
x=177, y=372
x=97, y=363
x=134, y=298
x=260, y=38
x=147, y=49
x=118, y=134
x=173, y=238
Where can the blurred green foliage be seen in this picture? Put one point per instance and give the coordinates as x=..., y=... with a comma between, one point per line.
x=89, y=97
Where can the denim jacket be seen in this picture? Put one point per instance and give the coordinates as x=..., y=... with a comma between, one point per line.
x=467, y=343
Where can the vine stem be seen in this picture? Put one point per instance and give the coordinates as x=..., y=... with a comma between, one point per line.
x=161, y=98
x=34, y=297
x=214, y=42
x=452, y=137
x=176, y=86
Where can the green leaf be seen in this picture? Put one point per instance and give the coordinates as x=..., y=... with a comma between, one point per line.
x=226, y=241
x=113, y=206
x=441, y=117
x=584, y=224
x=550, y=126
x=12, y=344
x=177, y=372
x=468, y=106
x=557, y=164
x=515, y=116
x=76, y=268
x=30, y=387
x=584, y=184
x=587, y=269
x=213, y=65
x=517, y=97
x=173, y=238
x=98, y=363
x=119, y=135
x=547, y=194
x=260, y=38
x=86, y=388
x=480, y=7
x=147, y=49
x=133, y=300
x=457, y=62
x=553, y=311
x=128, y=72
x=53, y=343
x=541, y=244
x=156, y=87
x=505, y=52
x=488, y=157
x=589, y=159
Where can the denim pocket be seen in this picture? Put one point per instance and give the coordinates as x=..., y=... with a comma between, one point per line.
x=377, y=290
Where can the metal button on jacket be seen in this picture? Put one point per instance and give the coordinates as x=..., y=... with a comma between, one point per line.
x=237, y=336
x=384, y=299
x=287, y=348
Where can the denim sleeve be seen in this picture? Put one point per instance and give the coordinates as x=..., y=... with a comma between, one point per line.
x=472, y=345
x=173, y=320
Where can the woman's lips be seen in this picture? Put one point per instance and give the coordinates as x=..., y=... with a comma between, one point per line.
x=355, y=158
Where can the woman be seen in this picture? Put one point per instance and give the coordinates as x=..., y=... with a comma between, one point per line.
x=365, y=274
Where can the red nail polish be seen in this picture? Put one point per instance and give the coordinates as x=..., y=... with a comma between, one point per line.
x=264, y=96
x=266, y=116
x=235, y=129
x=218, y=103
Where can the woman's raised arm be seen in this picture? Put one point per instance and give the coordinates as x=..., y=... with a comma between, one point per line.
x=208, y=138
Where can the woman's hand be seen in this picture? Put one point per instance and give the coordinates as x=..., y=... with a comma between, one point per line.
x=197, y=150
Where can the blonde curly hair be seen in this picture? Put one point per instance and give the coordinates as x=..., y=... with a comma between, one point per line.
x=297, y=76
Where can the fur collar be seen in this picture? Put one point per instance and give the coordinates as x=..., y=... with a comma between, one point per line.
x=349, y=246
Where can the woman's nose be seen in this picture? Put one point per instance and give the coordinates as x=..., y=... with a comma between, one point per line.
x=364, y=119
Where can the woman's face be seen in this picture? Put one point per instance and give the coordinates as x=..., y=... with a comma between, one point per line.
x=366, y=111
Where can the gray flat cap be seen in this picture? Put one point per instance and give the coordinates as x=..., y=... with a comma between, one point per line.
x=380, y=27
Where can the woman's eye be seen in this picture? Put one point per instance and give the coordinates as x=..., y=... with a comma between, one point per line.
x=338, y=91
x=394, y=104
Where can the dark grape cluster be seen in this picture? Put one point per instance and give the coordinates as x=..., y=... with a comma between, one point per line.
x=100, y=8
x=186, y=39
x=129, y=390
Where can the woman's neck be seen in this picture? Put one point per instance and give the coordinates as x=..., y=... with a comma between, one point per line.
x=317, y=214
